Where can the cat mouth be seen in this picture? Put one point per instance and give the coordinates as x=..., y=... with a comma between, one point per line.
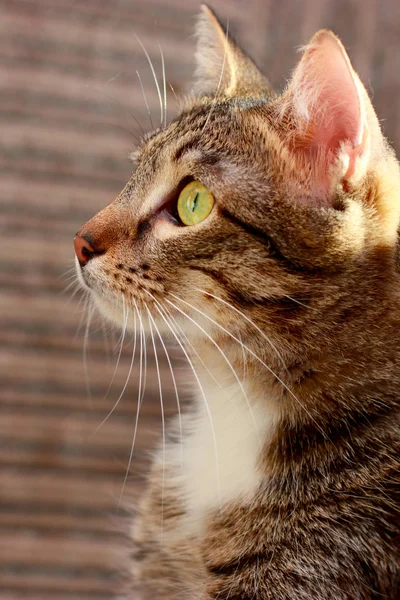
x=123, y=307
x=88, y=283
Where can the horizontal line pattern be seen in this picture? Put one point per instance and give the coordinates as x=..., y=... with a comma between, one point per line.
x=69, y=92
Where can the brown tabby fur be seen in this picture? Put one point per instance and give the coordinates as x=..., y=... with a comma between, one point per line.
x=321, y=281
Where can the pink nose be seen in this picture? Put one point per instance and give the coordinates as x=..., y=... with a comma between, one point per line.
x=83, y=250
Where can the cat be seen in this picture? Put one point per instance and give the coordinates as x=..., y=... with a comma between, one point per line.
x=261, y=230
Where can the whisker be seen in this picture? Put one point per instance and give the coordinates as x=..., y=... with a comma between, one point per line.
x=174, y=383
x=145, y=99
x=117, y=102
x=244, y=359
x=121, y=127
x=74, y=292
x=162, y=417
x=130, y=367
x=106, y=340
x=144, y=361
x=239, y=312
x=164, y=85
x=141, y=390
x=193, y=349
x=127, y=378
x=174, y=93
x=224, y=357
x=67, y=272
x=155, y=78
x=99, y=328
x=254, y=355
x=187, y=341
x=204, y=398
x=171, y=318
x=121, y=343
x=112, y=79
x=72, y=278
x=85, y=300
x=85, y=352
x=301, y=303
x=121, y=333
x=68, y=276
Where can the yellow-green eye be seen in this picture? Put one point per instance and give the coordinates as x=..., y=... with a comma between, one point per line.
x=195, y=203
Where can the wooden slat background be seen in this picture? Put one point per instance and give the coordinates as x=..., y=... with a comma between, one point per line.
x=68, y=90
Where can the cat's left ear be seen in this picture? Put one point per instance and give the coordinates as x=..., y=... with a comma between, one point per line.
x=222, y=67
x=328, y=114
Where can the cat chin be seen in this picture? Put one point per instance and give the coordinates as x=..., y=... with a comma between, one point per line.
x=111, y=312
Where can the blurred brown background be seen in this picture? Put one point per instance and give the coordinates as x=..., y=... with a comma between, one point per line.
x=69, y=100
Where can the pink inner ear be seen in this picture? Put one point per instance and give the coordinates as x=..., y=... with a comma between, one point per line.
x=326, y=99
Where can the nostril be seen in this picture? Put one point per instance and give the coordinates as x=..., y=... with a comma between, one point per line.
x=84, y=250
x=87, y=254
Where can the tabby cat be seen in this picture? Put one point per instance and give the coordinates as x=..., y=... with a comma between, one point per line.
x=261, y=229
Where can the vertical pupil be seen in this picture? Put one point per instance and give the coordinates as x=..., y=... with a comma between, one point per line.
x=194, y=202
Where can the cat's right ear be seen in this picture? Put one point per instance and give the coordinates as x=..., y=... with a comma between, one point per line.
x=223, y=69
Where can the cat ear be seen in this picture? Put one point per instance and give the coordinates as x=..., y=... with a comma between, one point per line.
x=329, y=115
x=222, y=67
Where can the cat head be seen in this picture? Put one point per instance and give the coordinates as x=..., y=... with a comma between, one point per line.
x=251, y=206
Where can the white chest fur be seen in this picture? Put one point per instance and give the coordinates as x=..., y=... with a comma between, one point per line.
x=221, y=455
